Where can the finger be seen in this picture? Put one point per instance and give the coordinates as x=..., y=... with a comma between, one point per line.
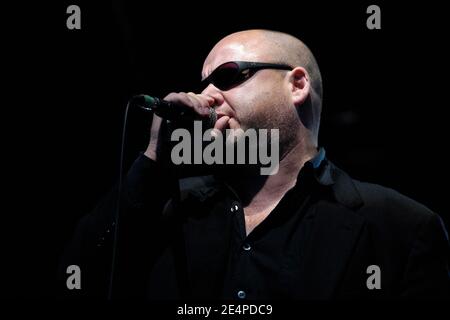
x=204, y=98
x=222, y=123
x=179, y=98
x=200, y=101
x=206, y=102
x=233, y=124
x=199, y=105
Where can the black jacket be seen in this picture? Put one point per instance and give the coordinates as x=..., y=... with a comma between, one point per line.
x=350, y=225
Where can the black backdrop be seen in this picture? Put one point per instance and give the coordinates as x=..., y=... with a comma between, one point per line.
x=66, y=91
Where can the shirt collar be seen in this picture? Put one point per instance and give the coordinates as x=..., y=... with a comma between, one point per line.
x=319, y=168
x=319, y=157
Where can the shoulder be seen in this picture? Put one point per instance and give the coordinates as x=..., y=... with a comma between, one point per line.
x=383, y=208
x=391, y=201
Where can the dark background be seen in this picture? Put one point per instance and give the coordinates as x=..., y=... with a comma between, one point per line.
x=384, y=117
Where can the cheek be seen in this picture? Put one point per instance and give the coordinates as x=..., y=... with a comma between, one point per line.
x=257, y=102
x=247, y=109
x=268, y=110
x=242, y=102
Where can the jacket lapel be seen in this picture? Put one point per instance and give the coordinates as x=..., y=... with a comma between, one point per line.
x=330, y=231
x=332, y=236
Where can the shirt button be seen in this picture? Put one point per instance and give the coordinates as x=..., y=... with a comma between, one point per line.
x=241, y=294
x=246, y=247
x=234, y=208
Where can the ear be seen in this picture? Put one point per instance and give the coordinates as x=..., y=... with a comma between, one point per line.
x=300, y=85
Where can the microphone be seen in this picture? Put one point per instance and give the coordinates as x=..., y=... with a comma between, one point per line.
x=174, y=111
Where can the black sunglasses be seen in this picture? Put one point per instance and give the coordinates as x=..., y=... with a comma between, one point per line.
x=230, y=74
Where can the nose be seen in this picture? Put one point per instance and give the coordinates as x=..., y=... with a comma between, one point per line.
x=214, y=93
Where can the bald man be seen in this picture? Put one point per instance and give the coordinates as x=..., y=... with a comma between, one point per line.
x=308, y=231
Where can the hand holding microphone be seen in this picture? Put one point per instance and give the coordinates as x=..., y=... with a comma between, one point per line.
x=179, y=109
x=182, y=107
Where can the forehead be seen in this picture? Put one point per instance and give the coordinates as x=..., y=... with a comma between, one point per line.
x=232, y=51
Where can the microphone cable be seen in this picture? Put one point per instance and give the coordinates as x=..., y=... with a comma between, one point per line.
x=211, y=120
x=119, y=195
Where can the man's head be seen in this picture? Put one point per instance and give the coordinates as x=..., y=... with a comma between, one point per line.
x=289, y=100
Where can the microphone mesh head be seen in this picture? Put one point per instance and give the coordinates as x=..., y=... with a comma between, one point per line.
x=212, y=118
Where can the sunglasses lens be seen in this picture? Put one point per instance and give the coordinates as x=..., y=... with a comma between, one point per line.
x=224, y=77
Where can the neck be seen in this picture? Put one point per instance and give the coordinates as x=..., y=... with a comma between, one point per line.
x=259, y=192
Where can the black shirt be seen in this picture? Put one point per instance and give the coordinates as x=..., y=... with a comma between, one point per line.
x=221, y=261
x=188, y=240
x=261, y=264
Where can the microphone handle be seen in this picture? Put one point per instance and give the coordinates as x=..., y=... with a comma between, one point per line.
x=173, y=111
